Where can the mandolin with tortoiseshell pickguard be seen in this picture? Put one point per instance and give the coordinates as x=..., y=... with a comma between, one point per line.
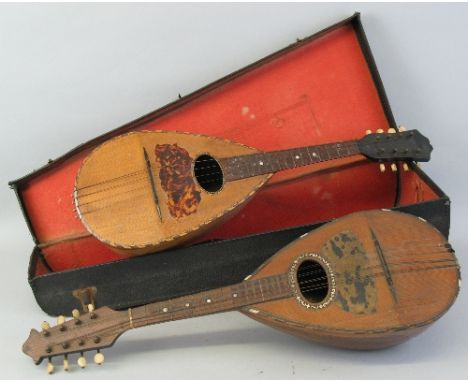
x=369, y=280
x=146, y=191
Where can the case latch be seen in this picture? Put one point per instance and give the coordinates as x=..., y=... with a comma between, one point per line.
x=86, y=296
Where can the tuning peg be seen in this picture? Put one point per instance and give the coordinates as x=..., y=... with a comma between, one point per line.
x=50, y=367
x=405, y=166
x=382, y=167
x=91, y=310
x=60, y=320
x=99, y=358
x=391, y=130
x=66, y=365
x=379, y=131
x=82, y=361
x=76, y=316
x=402, y=128
x=45, y=326
x=394, y=167
x=368, y=132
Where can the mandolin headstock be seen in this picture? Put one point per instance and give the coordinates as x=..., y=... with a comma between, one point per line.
x=395, y=146
x=94, y=330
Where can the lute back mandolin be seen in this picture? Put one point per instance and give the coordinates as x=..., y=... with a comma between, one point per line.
x=146, y=191
x=366, y=281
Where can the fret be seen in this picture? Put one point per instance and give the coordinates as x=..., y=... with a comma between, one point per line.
x=338, y=148
x=289, y=159
x=294, y=158
x=327, y=152
x=250, y=165
x=301, y=157
x=323, y=153
x=315, y=155
x=260, y=282
x=257, y=289
x=311, y=158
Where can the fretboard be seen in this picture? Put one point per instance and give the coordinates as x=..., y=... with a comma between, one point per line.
x=213, y=301
x=246, y=166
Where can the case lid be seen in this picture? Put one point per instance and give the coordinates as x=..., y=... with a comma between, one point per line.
x=323, y=88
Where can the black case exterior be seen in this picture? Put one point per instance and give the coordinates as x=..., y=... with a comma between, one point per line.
x=179, y=272
x=204, y=266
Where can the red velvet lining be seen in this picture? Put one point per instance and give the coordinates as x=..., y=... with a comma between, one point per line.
x=320, y=92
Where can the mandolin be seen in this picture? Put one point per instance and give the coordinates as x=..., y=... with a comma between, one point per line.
x=366, y=281
x=146, y=191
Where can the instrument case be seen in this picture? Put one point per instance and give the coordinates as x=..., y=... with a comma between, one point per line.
x=320, y=89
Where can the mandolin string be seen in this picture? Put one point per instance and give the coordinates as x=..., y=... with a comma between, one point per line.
x=398, y=271
x=113, y=187
x=216, y=179
x=370, y=268
x=346, y=145
x=130, y=174
x=205, y=308
x=200, y=310
x=373, y=268
x=136, y=172
x=306, y=268
x=309, y=280
x=378, y=264
x=119, y=211
x=116, y=194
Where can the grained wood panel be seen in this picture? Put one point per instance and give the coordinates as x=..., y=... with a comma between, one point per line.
x=129, y=204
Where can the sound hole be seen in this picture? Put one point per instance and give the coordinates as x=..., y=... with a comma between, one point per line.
x=313, y=281
x=208, y=173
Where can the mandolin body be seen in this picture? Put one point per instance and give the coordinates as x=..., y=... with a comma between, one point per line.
x=143, y=192
x=137, y=193
x=389, y=276
x=369, y=280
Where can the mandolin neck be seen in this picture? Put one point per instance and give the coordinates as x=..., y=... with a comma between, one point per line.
x=212, y=301
x=246, y=166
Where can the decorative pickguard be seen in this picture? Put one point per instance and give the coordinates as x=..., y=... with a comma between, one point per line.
x=176, y=179
x=355, y=285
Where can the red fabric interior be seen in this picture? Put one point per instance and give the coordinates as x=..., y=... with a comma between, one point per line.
x=321, y=92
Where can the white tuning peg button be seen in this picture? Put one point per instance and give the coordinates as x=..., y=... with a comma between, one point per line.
x=391, y=130
x=402, y=128
x=75, y=313
x=60, y=319
x=50, y=367
x=99, y=358
x=394, y=167
x=379, y=131
x=382, y=167
x=66, y=365
x=405, y=166
x=82, y=361
x=91, y=308
x=368, y=132
x=45, y=326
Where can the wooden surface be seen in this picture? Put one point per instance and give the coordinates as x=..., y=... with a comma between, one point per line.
x=415, y=277
x=389, y=275
x=116, y=202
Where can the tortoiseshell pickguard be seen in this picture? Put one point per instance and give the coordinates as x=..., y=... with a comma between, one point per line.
x=356, y=291
x=176, y=179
